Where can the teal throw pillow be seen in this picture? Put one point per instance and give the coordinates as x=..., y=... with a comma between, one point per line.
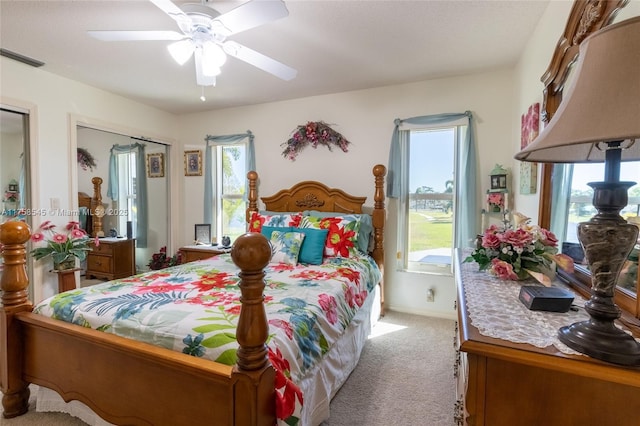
x=312, y=250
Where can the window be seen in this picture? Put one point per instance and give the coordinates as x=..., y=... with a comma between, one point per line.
x=427, y=204
x=127, y=202
x=229, y=188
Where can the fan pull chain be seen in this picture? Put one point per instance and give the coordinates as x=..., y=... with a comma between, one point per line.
x=202, y=98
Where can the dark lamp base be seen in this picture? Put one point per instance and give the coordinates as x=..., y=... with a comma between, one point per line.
x=601, y=340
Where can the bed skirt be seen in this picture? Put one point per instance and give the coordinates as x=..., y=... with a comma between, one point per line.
x=318, y=386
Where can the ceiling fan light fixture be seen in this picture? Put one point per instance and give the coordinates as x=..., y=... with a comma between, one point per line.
x=214, y=53
x=181, y=50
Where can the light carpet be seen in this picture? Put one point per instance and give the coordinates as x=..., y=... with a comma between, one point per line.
x=404, y=377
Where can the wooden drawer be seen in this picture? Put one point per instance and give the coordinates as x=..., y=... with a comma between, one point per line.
x=106, y=249
x=112, y=259
x=99, y=263
x=190, y=254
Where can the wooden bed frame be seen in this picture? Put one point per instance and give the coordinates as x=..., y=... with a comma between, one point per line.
x=129, y=382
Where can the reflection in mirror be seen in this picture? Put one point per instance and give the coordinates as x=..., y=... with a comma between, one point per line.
x=579, y=208
x=14, y=169
x=562, y=205
x=130, y=165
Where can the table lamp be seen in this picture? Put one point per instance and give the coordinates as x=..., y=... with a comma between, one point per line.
x=599, y=120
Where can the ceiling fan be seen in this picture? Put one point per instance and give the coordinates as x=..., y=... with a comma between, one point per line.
x=204, y=33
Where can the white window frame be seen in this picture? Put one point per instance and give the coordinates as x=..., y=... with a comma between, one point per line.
x=218, y=190
x=404, y=264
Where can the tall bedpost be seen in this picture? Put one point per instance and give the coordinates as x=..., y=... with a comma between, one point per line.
x=255, y=376
x=378, y=219
x=14, y=284
x=253, y=194
x=97, y=210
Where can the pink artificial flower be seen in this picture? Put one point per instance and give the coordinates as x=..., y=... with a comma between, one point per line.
x=47, y=225
x=496, y=199
x=96, y=241
x=490, y=241
x=77, y=233
x=72, y=225
x=548, y=238
x=37, y=237
x=518, y=238
x=59, y=238
x=503, y=270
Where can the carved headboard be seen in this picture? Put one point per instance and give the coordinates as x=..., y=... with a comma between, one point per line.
x=312, y=195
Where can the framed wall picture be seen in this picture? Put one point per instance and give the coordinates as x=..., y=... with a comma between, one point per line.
x=202, y=233
x=155, y=165
x=193, y=163
x=529, y=129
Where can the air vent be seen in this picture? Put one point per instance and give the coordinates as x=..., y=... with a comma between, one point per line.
x=20, y=58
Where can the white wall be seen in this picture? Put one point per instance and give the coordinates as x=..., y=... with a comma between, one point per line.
x=532, y=65
x=57, y=105
x=366, y=119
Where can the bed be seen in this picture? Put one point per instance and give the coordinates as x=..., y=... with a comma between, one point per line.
x=164, y=386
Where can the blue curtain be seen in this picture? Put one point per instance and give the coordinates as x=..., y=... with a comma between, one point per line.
x=465, y=198
x=142, y=215
x=212, y=141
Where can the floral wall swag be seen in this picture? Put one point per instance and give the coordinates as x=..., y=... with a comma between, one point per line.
x=85, y=159
x=313, y=133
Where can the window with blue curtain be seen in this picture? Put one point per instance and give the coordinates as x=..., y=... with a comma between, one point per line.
x=128, y=185
x=432, y=173
x=228, y=159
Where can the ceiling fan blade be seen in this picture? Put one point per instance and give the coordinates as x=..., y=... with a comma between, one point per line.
x=135, y=35
x=250, y=15
x=259, y=60
x=201, y=78
x=173, y=11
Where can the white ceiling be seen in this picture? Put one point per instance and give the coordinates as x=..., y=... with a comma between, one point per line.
x=336, y=46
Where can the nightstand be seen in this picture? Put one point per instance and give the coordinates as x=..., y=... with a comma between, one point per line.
x=199, y=252
x=114, y=258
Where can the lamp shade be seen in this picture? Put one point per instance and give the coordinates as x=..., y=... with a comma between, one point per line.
x=601, y=105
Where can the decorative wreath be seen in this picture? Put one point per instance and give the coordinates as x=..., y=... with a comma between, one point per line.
x=85, y=159
x=313, y=133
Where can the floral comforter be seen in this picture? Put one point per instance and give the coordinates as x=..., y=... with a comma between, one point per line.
x=194, y=309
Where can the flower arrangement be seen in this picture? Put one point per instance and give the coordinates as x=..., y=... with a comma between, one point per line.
x=160, y=260
x=515, y=254
x=86, y=160
x=61, y=246
x=313, y=133
x=10, y=196
x=495, y=200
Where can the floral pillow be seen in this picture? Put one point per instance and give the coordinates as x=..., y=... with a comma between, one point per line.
x=366, y=226
x=258, y=220
x=342, y=236
x=286, y=246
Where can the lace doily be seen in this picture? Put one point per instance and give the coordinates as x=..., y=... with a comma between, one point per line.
x=495, y=310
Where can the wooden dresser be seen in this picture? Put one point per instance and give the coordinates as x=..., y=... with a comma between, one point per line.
x=506, y=383
x=113, y=258
x=199, y=252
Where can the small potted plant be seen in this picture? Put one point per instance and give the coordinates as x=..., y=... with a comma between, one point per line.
x=160, y=260
x=63, y=247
